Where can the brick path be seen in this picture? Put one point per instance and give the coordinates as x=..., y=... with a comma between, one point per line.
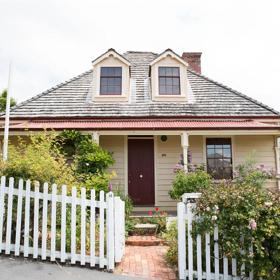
x=146, y=262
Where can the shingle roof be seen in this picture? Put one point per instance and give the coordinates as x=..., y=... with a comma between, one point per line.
x=73, y=98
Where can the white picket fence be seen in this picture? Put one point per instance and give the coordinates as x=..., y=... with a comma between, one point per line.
x=61, y=227
x=191, y=263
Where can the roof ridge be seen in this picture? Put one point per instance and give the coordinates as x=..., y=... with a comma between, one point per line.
x=50, y=90
x=140, y=52
x=236, y=92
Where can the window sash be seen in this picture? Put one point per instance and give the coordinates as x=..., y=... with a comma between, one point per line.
x=169, y=81
x=111, y=81
x=219, y=157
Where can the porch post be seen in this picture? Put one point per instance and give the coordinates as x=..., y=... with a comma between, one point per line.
x=277, y=158
x=185, y=146
x=95, y=137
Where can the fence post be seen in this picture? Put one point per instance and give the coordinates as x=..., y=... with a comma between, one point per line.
x=110, y=231
x=119, y=220
x=181, y=240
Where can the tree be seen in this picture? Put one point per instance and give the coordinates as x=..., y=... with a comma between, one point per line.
x=3, y=98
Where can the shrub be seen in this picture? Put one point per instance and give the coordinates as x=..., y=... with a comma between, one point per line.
x=88, y=157
x=245, y=213
x=171, y=237
x=188, y=182
x=38, y=160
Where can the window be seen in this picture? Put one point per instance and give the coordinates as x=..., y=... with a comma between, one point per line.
x=169, y=80
x=111, y=81
x=219, y=157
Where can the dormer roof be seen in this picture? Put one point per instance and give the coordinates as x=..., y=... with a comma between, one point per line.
x=109, y=53
x=170, y=53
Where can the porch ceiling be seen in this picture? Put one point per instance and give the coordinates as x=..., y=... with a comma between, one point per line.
x=163, y=124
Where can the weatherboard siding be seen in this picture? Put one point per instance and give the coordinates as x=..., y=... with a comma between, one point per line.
x=115, y=145
x=167, y=156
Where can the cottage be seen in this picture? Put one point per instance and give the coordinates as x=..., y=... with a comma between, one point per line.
x=152, y=109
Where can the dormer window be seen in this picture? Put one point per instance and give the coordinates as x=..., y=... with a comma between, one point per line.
x=111, y=81
x=169, y=80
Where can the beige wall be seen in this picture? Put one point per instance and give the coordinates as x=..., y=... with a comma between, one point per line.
x=167, y=155
x=263, y=147
x=115, y=144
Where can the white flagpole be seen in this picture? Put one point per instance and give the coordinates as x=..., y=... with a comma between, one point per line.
x=7, y=117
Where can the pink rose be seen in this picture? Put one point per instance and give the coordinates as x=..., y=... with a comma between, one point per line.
x=253, y=224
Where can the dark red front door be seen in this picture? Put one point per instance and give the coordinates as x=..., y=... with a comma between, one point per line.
x=141, y=171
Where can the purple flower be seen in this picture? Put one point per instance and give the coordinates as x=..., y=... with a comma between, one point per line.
x=178, y=167
x=110, y=186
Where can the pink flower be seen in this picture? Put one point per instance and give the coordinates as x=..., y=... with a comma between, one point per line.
x=252, y=224
x=150, y=213
x=110, y=186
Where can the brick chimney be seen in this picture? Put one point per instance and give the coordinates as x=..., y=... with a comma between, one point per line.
x=193, y=59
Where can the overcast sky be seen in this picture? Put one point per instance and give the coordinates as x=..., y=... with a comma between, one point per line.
x=53, y=40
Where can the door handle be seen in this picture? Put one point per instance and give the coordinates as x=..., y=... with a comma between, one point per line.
x=141, y=176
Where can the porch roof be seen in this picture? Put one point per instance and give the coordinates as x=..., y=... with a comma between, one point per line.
x=154, y=124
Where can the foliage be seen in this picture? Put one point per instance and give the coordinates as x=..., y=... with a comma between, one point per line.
x=129, y=222
x=3, y=101
x=38, y=160
x=248, y=174
x=245, y=214
x=89, y=157
x=90, y=161
x=192, y=181
x=171, y=237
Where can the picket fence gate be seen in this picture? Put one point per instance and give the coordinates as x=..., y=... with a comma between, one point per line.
x=30, y=230
x=188, y=255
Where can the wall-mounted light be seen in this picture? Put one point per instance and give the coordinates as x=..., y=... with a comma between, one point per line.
x=163, y=138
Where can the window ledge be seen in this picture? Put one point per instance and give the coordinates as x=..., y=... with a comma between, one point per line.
x=169, y=98
x=109, y=98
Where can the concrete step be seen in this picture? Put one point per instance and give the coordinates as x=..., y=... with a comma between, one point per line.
x=145, y=229
x=147, y=240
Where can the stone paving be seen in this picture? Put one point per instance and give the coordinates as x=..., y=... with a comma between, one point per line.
x=146, y=262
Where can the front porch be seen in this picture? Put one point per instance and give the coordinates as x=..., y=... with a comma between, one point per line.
x=168, y=147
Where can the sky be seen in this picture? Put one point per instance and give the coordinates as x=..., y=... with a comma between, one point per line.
x=52, y=41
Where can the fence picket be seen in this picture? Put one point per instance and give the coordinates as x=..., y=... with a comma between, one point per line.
x=110, y=230
x=225, y=267
x=9, y=215
x=190, y=241
x=2, y=208
x=83, y=226
x=119, y=218
x=27, y=197
x=208, y=256
x=101, y=230
x=73, y=226
x=216, y=254
x=53, y=222
x=251, y=273
x=44, y=220
x=92, y=228
x=181, y=240
x=234, y=269
x=26, y=219
x=199, y=257
x=63, y=224
x=19, y=214
x=36, y=221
